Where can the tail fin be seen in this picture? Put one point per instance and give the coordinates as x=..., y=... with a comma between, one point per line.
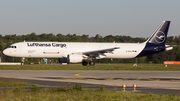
x=156, y=43
x=160, y=34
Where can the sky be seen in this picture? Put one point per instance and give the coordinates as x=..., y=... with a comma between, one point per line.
x=135, y=18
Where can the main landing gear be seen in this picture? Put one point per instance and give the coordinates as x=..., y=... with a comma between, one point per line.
x=85, y=63
x=91, y=63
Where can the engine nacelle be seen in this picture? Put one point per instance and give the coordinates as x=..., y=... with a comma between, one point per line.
x=63, y=60
x=75, y=58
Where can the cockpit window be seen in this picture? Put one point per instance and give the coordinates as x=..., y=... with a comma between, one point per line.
x=12, y=46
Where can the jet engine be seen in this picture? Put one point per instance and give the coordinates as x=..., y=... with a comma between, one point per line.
x=63, y=60
x=75, y=58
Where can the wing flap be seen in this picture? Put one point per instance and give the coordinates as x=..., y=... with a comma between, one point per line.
x=97, y=53
x=101, y=51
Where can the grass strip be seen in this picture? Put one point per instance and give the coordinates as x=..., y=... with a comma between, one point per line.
x=77, y=93
x=120, y=67
x=7, y=82
x=72, y=93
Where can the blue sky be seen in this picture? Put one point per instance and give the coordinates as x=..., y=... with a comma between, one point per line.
x=136, y=18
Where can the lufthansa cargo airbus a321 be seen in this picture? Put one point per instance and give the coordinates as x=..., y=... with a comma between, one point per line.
x=75, y=52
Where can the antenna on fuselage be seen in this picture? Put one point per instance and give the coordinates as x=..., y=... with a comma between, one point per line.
x=24, y=40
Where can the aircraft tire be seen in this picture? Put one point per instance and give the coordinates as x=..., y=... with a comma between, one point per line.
x=84, y=63
x=91, y=63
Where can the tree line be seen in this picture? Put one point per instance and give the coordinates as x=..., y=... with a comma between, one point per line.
x=173, y=55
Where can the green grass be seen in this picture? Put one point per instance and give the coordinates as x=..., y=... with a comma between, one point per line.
x=76, y=94
x=12, y=83
x=121, y=67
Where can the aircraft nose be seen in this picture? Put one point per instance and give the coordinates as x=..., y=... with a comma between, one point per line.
x=5, y=52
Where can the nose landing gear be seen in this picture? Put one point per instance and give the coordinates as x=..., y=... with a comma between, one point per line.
x=22, y=61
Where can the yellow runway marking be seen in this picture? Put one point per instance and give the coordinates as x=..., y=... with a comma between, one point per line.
x=79, y=75
x=76, y=74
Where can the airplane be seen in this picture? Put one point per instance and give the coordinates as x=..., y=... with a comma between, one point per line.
x=76, y=52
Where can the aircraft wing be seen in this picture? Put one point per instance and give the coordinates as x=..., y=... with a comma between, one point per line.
x=108, y=50
x=98, y=53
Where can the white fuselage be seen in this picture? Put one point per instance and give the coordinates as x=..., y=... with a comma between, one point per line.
x=62, y=49
x=75, y=52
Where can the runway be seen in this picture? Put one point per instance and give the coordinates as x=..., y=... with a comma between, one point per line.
x=157, y=82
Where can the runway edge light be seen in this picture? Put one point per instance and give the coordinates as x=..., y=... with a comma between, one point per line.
x=124, y=87
x=134, y=86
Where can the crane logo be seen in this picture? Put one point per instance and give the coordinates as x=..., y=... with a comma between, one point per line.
x=160, y=37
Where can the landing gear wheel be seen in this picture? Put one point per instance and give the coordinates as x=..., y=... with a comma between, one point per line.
x=84, y=63
x=91, y=63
